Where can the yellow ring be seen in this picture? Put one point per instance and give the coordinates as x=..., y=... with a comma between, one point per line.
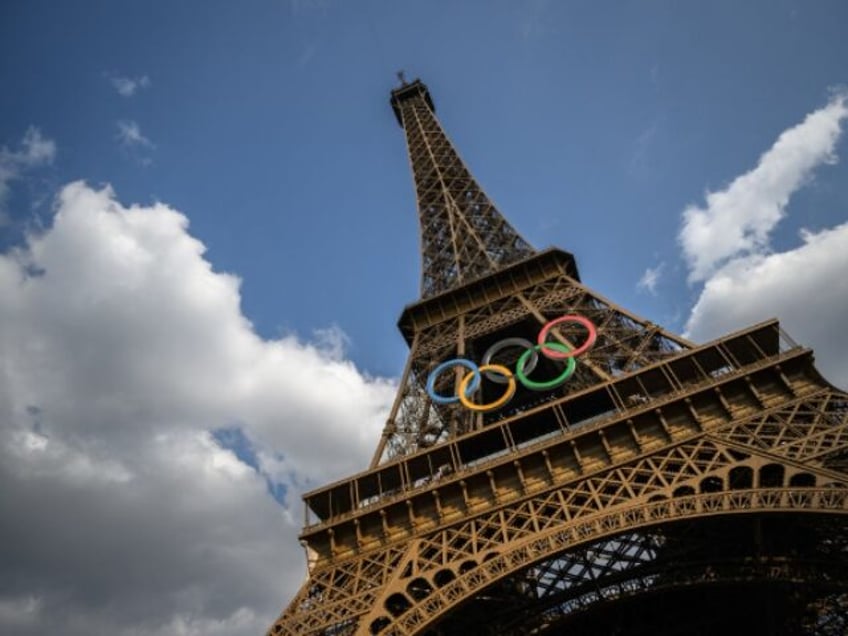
x=497, y=368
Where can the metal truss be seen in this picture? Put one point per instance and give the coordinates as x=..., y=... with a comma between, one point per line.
x=700, y=563
x=463, y=236
x=625, y=343
x=666, y=488
x=408, y=585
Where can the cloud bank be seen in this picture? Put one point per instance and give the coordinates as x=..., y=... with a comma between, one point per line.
x=727, y=245
x=124, y=356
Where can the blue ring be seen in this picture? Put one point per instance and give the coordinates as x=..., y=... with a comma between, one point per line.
x=435, y=373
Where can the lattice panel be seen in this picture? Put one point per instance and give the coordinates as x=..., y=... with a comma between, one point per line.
x=625, y=343
x=701, y=477
x=662, y=470
x=463, y=236
x=709, y=553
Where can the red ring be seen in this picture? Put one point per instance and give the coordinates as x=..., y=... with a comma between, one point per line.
x=559, y=355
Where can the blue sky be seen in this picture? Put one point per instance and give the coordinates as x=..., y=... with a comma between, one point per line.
x=591, y=127
x=257, y=176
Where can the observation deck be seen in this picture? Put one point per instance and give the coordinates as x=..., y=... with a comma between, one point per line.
x=668, y=402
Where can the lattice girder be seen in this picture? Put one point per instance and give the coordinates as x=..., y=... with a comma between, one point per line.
x=615, y=497
x=597, y=494
x=537, y=546
x=704, y=555
x=688, y=405
x=463, y=236
x=625, y=343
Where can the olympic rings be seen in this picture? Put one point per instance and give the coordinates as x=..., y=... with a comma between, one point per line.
x=503, y=344
x=522, y=372
x=554, y=355
x=491, y=406
x=435, y=373
x=524, y=366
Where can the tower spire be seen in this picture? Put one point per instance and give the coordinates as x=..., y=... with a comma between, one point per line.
x=463, y=236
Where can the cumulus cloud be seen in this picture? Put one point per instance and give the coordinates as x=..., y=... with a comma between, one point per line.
x=727, y=245
x=33, y=150
x=650, y=278
x=737, y=220
x=124, y=356
x=806, y=287
x=128, y=86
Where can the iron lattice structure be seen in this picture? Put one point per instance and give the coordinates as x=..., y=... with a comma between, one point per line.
x=667, y=488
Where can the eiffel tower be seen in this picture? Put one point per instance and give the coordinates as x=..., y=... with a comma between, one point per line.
x=614, y=478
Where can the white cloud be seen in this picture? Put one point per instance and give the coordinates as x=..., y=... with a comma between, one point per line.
x=727, y=245
x=128, y=86
x=737, y=220
x=36, y=149
x=650, y=278
x=805, y=287
x=33, y=150
x=123, y=351
x=129, y=134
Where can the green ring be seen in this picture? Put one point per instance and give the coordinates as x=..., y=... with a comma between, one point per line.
x=570, y=367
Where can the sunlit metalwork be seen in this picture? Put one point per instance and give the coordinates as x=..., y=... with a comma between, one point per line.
x=666, y=488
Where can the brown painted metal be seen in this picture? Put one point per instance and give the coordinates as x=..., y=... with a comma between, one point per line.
x=463, y=236
x=667, y=488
